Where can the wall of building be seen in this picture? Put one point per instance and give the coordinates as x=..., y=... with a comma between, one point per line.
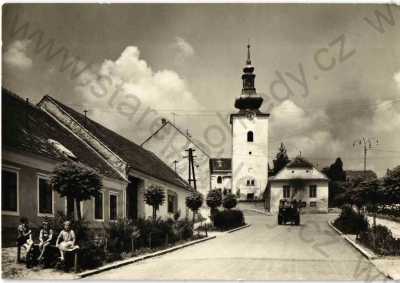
x=245, y=165
x=303, y=195
x=29, y=168
x=226, y=183
x=162, y=212
x=170, y=145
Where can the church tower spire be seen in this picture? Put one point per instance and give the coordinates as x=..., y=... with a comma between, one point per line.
x=249, y=99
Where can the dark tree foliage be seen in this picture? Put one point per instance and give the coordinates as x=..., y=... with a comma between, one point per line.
x=154, y=196
x=214, y=199
x=337, y=177
x=281, y=159
x=391, y=183
x=229, y=201
x=76, y=181
x=194, y=201
x=336, y=172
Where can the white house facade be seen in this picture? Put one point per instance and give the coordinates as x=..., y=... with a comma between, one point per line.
x=302, y=182
x=221, y=175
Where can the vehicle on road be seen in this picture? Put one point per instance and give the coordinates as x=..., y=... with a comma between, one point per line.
x=289, y=212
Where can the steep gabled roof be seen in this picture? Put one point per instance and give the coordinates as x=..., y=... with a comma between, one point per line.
x=136, y=156
x=27, y=128
x=307, y=171
x=300, y=162
x=165, y=124
x=220, y=165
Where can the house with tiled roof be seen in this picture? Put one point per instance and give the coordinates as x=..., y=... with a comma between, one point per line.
x=299, y=180
x=38, y=137
x=170, y=143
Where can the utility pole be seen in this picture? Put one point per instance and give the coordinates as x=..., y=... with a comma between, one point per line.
x=367, y=144
x=192, y=174
x=85, y=111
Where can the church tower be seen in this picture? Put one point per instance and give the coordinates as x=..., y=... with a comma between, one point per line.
x=249, y=139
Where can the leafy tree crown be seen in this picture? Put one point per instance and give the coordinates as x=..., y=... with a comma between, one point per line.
x=229, y=201
x=194, y=201
x=154, y=196
x=76, y=180
x=214, y=198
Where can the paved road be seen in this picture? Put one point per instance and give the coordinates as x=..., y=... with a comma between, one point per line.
x=264, y=251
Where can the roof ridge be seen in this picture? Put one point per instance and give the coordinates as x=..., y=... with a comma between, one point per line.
x=137, y=147
x=91, y=120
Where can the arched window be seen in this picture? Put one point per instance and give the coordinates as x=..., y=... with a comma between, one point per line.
x=248, y=183
x=250, y=136
x=219, y=179
x=252, y=182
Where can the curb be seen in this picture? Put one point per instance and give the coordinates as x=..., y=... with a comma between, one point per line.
x=360, y=249
x=259, y=211
x=140, y=258
x=239, y=228
x=354, y=244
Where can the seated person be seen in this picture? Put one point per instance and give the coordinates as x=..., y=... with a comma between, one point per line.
x=45, y=238
x=24, y=237
x=66, y=240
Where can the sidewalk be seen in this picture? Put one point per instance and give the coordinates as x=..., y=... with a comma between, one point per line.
x=13, y=270
x=389, y=265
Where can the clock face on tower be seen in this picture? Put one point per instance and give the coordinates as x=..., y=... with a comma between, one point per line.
x=250, y=115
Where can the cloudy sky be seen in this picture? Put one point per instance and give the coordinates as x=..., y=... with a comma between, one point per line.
x=329, y=74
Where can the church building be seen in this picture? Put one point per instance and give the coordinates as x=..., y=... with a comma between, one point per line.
x=249, y=139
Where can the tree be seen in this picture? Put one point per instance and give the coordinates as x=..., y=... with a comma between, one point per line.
x=214, y=200
x=229, y=201
x=194, y=201
x=281, y=159
x=336, y=172
x=76, y=182
x=154, y=196
x=391, y=185
x=337, y=177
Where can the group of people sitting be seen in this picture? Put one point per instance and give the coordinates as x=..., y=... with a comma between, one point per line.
x=65, y=240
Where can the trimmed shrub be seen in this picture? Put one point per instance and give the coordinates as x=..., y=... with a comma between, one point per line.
x=155, y=233
x=228, y=219
x=385, y=243
x=351, y=222
x=184, y=229
x=229, y=201
x=119, y=236
x=214, y=199
x=91, y=255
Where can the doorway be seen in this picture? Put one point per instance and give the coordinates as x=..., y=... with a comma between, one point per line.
x=132, y=197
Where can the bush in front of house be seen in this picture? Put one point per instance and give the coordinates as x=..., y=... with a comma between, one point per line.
x=228, y=219
x=119, y=235
x=92, y=254
x=229, y=201
x=184, y=229
x=351, y=222
x=384, y=244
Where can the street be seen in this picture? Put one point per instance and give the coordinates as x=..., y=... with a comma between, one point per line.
x=264, y=251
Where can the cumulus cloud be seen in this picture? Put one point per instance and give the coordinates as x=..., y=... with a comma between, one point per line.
x=125, y=92
x=184, y=47
x=396, y=78
x=324, y=134
x=16, y=55
x=302, y=131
